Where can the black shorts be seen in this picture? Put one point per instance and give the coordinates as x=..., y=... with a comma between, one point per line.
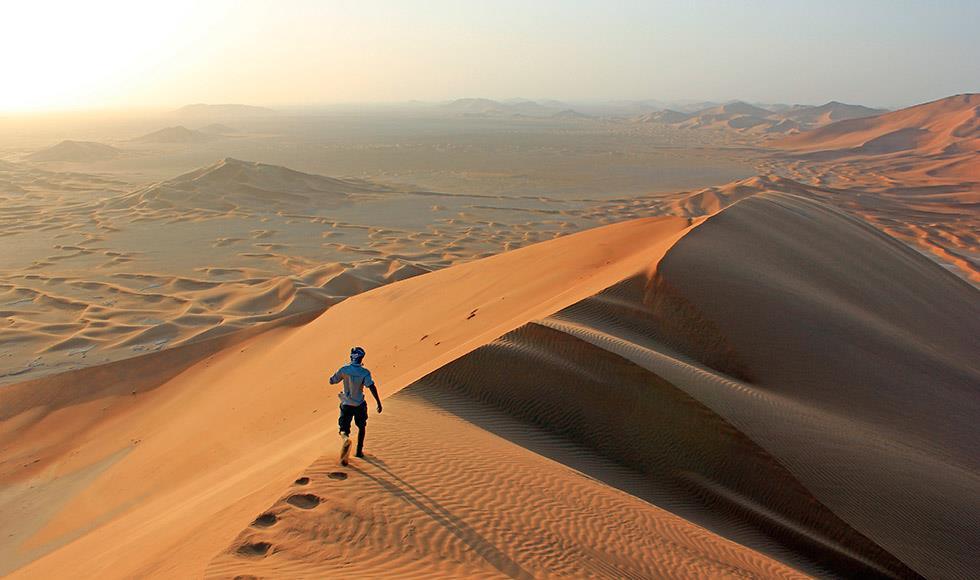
x=358, y=414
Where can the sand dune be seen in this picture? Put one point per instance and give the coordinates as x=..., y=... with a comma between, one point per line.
x=766, y=323
x=665, y=116
x=794, y=388
x=829, y=113
x=952, y=123
x=745, y=118
x=442, y=497
x=943, y=136
x=231, y=184
x=178, y=134
x=914, y=173
x=773, y=363
x=713, y=199
x=260, y=391
x=75, y=151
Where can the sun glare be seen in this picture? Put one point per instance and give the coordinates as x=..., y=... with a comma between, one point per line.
x=71, y=55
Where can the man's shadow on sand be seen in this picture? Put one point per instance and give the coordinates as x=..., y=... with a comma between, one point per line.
x=401, y=489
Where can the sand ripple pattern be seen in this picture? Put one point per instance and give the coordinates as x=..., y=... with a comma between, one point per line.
x=422, y=505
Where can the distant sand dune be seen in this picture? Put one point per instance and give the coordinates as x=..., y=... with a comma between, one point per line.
x=914, y=173
x=75, y=151
x=947, y=129
x=231, y=184
x=179, y=134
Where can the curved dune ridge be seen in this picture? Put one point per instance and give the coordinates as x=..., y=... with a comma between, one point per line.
x=940, y=139
x=784, y=375
x=786, y=365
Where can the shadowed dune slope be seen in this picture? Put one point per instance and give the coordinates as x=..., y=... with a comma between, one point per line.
x=786, y=368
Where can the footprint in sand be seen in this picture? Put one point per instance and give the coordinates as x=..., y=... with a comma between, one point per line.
x=255, y=549
x=302, y=481
x=265, y=520
x=306, y=501
x=337, y=475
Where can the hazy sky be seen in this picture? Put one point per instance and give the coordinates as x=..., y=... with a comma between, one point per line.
x=98, y=54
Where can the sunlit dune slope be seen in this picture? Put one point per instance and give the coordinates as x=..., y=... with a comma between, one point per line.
x=159, y=480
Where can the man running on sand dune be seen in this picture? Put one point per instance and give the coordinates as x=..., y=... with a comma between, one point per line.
x=352, y=403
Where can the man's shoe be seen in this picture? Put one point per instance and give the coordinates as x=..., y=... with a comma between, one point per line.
x=359, y=454
x=344, y=448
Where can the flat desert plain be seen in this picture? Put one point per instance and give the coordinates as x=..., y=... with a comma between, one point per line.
x=722, y=343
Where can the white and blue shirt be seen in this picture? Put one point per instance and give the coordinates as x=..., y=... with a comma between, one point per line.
x=355, y=378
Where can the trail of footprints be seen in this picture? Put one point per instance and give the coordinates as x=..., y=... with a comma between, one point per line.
x=253, y=546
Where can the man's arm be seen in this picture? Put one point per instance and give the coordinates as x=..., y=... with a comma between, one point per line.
x=374, y=391
x=336, y=378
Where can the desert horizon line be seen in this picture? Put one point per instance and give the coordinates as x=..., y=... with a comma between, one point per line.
x=653, y=102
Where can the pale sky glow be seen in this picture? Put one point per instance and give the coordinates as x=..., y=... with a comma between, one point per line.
x=138, y=54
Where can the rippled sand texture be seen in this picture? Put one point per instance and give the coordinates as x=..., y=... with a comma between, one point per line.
x=97, y=273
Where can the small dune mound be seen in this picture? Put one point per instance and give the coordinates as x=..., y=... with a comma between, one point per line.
x=76, y=151
x=230, y=185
